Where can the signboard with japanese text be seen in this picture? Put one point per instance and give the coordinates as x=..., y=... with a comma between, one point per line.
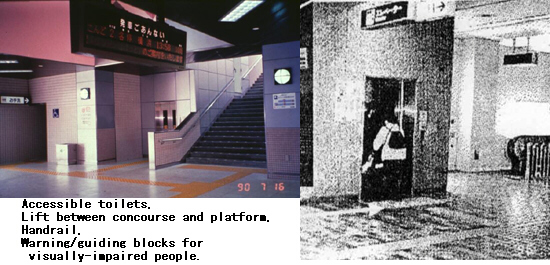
x=14, y=100
x=284, y=101
x=100, y=29
x=385, y=14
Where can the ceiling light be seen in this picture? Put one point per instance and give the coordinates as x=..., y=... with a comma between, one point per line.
x=240, y=10
x=8, y=61
x=255, y=29
x=14, y=71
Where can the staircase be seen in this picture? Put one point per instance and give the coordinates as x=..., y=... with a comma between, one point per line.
x=237, y=137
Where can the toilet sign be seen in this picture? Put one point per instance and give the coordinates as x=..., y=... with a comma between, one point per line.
x=303, y=58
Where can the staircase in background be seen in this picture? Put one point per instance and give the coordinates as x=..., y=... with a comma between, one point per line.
x=237, y=137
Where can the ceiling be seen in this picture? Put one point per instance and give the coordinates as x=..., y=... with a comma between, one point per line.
x=277, y=21
x=505, y=20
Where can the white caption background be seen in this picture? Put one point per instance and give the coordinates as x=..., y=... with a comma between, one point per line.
x=248, y=242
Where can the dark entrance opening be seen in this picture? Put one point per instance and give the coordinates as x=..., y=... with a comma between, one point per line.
x=388, y=178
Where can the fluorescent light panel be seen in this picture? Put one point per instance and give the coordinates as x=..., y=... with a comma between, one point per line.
x=240, y=10
x=8, y=61
x=14, y=71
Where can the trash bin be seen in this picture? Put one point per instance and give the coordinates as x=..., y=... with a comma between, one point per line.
x=65, y=154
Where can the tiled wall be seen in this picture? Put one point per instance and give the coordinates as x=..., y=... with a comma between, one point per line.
x=210, y=78
x=127, y=117
x=283, y=145
x=57, y=92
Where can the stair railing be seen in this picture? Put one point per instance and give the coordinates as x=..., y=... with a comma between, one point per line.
x=217, y=97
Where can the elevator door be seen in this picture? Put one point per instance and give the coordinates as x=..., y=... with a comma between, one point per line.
x=165, y=116
x=386, y=98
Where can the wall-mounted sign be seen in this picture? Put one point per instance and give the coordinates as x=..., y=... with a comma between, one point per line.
x=282, y=76
x=303, y=58
x=14, y=100
x=100, y=29
x=86, y=117
x=431, y=10
x=386, y=14
x=55, y=113
x=284, y=101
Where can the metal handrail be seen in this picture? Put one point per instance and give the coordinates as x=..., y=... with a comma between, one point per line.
x=171, y=140
x=218, y=97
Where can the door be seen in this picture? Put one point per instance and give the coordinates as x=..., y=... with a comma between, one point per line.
x=388, y=101
x=165, y=116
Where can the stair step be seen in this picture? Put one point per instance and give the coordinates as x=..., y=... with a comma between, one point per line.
x=228, y=162
x=249, y=99
x=237, y=128
x=230, y=149
x=236, y=133
x=238, y=123
x=248, y=139
x=241, y=119
x=230, y=143
x=256, y=157
x=241, y=114
x=244, y=109
x=236, y=102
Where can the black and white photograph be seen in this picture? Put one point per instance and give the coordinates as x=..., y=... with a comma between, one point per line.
x=425, y=130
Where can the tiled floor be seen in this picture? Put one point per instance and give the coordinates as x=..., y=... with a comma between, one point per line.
x=133, y=179
x=484, y=216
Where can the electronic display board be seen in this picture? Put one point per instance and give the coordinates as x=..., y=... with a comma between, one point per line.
x=100, y=29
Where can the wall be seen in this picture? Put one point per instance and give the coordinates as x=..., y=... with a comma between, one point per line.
x=45, y=33
x=282, y=126
x=344, y=55
x=306, y=99
x=210, y=79
x=127, y=117
x=493, y=103
x=105, y=106
x=176, y=86
x=57, y=92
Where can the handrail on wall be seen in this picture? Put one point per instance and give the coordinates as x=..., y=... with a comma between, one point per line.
x=217, y=97
x=171, y=140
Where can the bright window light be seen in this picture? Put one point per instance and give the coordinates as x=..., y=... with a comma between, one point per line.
x=240, y=10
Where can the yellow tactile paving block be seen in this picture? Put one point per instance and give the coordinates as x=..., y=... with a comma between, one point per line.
x=189, y=190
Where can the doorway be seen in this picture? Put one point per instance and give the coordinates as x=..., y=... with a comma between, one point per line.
x=395, y=99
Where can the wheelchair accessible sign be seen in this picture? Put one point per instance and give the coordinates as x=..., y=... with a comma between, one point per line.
x=284, y=101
